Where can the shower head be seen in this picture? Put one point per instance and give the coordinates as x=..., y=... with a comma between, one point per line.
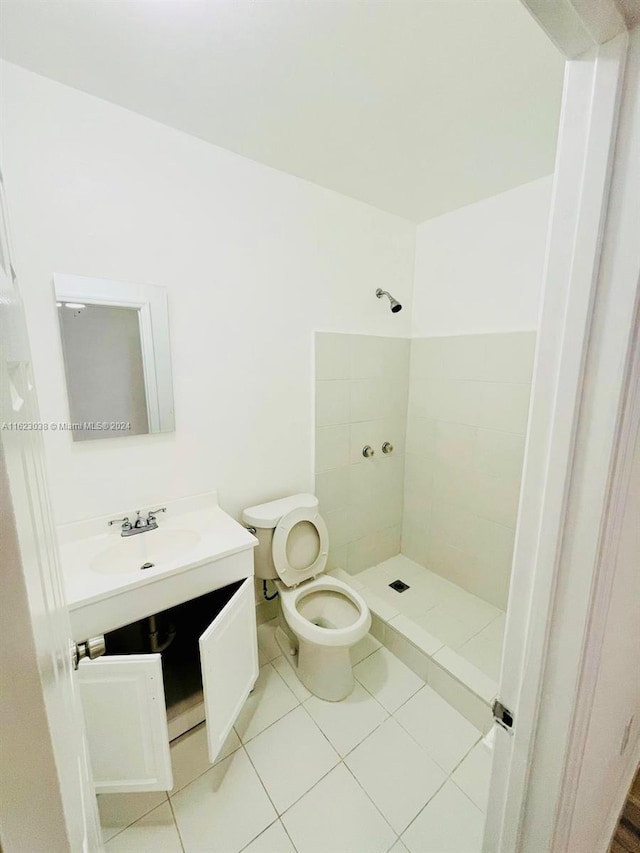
x=395, y=305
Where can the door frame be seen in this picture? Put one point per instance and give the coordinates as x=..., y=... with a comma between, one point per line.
x=585, y=338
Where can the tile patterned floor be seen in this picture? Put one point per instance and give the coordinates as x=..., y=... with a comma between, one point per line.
x=451, y=616
x=391, y=768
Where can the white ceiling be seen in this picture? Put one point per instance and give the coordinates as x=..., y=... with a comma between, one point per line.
x=414, y=106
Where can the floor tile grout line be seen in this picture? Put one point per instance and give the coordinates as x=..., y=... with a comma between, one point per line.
x=444, y=770
x=287, y=833
x=471, y=748
x=173, y=793
x=261, y=833
x=432, y=797
x=175, y=822
x=475, y=743
x=257, y=734
x=320, y=729
x=408, y=699
x=266, y=829
x=138, y=819
x=430, y=800
x=241, y=738
x=353, y=748
x=447, y=777
x=457, y=767
x=241, y=743
x=391, y=713
x=264, y=784
x=464, y=794
x=484, y=628
x=255, y=770
x=324, y=776
x=308, y=791
x=341, y=757
x=357, y=781
x=122, y=829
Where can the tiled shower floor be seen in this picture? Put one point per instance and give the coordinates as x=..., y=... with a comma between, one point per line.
x=459, y=633
x=392, y=768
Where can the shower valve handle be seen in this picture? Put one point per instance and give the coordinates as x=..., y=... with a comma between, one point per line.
x=368, y=451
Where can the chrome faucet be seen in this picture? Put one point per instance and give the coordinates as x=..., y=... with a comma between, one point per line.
x=140, y=525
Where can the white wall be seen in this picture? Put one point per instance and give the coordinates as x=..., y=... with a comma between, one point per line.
x=254, y=260
x=479, y=268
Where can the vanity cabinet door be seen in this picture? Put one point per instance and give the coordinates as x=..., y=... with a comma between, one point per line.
x=229, y=661
x=126, y=723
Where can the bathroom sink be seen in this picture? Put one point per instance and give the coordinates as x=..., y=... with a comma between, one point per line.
x=135, y=553
x=196, y=549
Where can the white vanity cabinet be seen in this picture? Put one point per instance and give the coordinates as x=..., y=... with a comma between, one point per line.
x=195, y=570
x=123, y=696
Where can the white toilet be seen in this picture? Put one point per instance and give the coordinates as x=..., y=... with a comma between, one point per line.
x=322, y=617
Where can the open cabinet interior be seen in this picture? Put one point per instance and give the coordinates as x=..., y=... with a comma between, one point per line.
x=175, y=634
x=161, y=676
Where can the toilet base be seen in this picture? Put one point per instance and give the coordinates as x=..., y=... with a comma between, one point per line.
x=325, y=671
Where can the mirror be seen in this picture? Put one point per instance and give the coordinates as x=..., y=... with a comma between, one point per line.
x=117, y=359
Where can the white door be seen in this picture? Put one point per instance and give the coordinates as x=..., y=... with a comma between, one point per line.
x=124, y=702
x=585, y=331
x=33, y=569
x=229, y=661
x=126, y=719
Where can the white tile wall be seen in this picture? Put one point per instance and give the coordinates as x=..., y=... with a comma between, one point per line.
x=467, y=417
x=455, y=409
x=362, y=385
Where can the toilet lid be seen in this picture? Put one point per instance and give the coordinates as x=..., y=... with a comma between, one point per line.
x=300, y=545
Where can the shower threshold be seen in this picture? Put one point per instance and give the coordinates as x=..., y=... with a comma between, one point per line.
x=449, y=637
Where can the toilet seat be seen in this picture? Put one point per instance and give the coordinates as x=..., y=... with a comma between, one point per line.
x=316, y=634
x=289, y=574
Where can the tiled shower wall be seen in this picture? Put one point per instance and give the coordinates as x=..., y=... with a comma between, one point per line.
x=467, y=417
x=361, y=399
x=450, y=502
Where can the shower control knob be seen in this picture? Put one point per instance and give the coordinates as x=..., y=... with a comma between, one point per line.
x=387, y=447
x=368, y=451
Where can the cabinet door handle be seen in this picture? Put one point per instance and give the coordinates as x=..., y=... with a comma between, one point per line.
x=368, y=451
x=92, y=648
x=387, y=447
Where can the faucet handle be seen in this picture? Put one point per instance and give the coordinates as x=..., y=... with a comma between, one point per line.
x=151, y=515
x=126, y=524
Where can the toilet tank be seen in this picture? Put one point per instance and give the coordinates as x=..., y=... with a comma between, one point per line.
x=265, y=518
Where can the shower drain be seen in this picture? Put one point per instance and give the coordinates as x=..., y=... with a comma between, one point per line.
x=399, y=586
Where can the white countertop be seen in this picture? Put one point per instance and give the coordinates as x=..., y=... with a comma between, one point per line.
x=219, y=536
